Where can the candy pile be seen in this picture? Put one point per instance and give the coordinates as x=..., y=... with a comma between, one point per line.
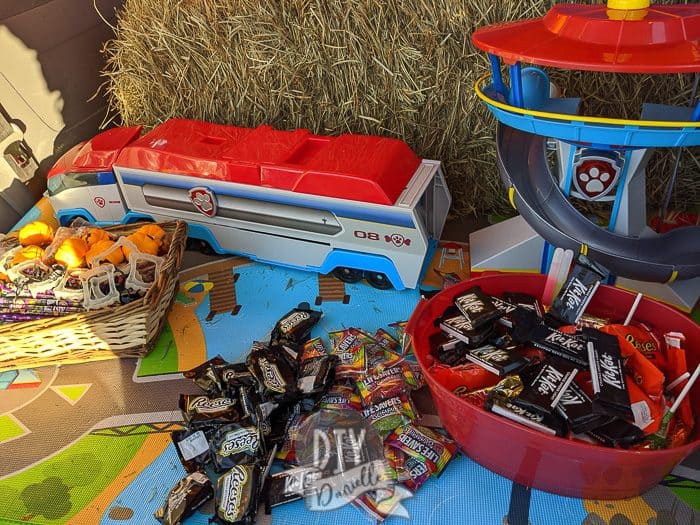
x=565, y=373
x=251, y=413
x=71, y=270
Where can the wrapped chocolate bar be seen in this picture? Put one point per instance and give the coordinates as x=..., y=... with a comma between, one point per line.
x=511, y=409
x=545, y=383
x=617, y=433
x=574, y=296
x=235, y=444
x=206, y=376
x=577, y=408
x=526, y=301
x=271, y=368
x=477, y=307
x=529, y=328
x=204, y=408
x=292, y=485
x=459, y=327
x=186, y=496
x=237, y=495
x=295, y=326
x=316, y=374
x=610, y=395
x=499, y=361
x=192, y=448
x=506, y=308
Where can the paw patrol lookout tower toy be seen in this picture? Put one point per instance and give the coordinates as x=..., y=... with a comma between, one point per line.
x=597, y=159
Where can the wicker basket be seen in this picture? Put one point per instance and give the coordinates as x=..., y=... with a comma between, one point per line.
x=128, y=330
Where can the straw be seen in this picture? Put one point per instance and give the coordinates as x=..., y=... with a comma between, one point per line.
x=633, y=309
x=400, y=69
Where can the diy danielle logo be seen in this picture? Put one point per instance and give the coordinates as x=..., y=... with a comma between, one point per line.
x=344, y=460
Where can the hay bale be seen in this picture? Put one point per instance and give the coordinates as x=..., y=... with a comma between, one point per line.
x=397, y=68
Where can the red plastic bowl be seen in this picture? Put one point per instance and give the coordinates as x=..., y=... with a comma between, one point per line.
x=537, y=460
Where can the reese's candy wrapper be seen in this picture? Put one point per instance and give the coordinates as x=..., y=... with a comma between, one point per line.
x=384, y=384
x=234, y=375
x=313, y=348
x=577, y=291
x=477, y=307
x=235, y=444
x=349, y=346
x=529, y=328
x=469, y=376
x=544, y=422
x=295, y=326
x=316, y=374
x=184, y=498
x=617, y=433
x=272, y=370
x=631, y=340
x=206, y=375
x=423, y=444
x=677, y=372
x=647, y=412
x=203, y=408
x=459, y=327
x=192, y=448
x=546, y=382
x=576, y=406
x=499, y=361
x=237, y=495
x=610, y=395
x=388, y=414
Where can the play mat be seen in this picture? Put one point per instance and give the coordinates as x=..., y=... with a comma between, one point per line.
x=90, y=443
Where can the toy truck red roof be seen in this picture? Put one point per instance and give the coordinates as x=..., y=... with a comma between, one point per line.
x=356, y=167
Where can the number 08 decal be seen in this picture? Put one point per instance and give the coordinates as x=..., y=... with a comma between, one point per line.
x=372, y=236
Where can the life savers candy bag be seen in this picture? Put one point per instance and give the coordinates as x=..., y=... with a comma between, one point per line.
x=235, y=444
x=184, y=498
x=349, y=347
x=295, y=326
x=578, y=289
x=204, y=408
x=423, y=444
x=192, y=448
x=237, y=494
x=386, y=383
x=313, y=348
x=206, y=375
x=388, y=414
x=546, y=382
x=340, y=397
x=477, y=307
x=610, y=395
x=272, y=369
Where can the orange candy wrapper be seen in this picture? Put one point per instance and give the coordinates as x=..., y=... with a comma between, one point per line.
x=677, y=371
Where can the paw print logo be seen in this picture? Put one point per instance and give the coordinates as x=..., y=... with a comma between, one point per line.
x=595, y=178
x=204, y=200
x=397, y=240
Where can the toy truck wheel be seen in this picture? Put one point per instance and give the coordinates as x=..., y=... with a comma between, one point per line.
x=378, y=280
x=348, y=275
